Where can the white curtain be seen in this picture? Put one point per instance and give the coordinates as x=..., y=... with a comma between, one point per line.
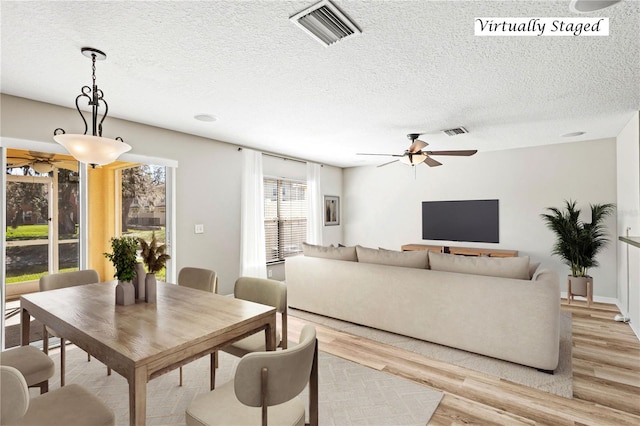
x=253, y=260
x=314, y=204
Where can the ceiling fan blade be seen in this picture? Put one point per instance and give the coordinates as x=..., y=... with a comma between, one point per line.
x=416, y=146
x=460, y=153
x=41, y=155
x=394, y=161
x=17, y=162
x=431, y=162
x=386, y=155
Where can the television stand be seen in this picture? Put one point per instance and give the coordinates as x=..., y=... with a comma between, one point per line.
x=464, y=251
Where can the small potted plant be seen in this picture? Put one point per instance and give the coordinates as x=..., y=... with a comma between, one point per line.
x=155, y=258
x=124, y=258
x=578, y=242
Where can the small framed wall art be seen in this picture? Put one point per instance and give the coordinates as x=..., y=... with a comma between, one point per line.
x=331, y=210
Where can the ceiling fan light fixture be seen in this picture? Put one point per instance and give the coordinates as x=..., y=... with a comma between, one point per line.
x=42, y=167
x=93, y=149
x=413, y=159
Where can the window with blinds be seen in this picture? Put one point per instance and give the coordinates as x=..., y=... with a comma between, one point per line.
x=285, y=217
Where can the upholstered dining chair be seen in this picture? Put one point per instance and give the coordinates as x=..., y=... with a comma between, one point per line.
x=69, y=406
x=265, y=389
x=63, y=280
x=199, y=279
x=267, y=292
x=36, y=367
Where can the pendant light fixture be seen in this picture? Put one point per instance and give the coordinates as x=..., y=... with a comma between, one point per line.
x=92, y=149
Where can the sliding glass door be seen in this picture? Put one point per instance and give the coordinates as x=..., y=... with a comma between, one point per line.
x=41, y=235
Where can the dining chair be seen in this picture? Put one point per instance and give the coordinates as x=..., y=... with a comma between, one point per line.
x=63, y=280
x=267, y=292
x=265, y=389
x=36, y=366
x=69, y=406
x=199, y=279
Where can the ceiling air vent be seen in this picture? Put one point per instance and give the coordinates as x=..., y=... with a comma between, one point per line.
x=325, y=22
x=455, y=131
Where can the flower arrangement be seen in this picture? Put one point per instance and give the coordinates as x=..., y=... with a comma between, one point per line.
x=124, y=257
x=153, y=255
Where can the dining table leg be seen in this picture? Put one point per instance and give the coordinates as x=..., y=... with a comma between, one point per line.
x=138, y=397
x=270, y=334
x=25, y=327
x=213, y=361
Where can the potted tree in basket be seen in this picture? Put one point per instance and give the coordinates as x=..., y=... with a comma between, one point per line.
x=154, y=257
x=578, y=242
x=124, y=258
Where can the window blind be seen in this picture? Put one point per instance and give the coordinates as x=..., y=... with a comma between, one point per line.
x=285, y=217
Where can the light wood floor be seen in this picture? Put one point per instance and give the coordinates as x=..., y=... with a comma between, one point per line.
x=606, y=376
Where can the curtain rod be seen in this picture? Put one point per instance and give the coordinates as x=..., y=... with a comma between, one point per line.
x=283, y=157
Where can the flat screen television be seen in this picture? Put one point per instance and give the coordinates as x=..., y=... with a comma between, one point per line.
x=465, y=220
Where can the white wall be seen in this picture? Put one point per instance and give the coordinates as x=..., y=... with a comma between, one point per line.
x=332, y=185
x=382, y=206
x=207, y=179
x=628, y=157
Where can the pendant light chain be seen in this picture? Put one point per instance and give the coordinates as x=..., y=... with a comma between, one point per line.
x=93, y=68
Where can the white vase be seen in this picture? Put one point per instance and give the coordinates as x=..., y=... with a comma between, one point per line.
x=125, y=293
x=139, y=281
x=150, y=288
x=579, y=285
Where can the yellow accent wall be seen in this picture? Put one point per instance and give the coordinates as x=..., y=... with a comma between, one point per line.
x=104, y=208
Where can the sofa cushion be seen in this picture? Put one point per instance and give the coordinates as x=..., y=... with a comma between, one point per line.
x=407, y=259
x=505, y=267
x=336, y=253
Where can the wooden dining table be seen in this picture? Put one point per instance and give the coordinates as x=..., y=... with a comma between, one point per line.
x=146, y=340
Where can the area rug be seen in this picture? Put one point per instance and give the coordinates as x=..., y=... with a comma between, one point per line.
x=13, y=334
x=349, y=393
x=560, y=383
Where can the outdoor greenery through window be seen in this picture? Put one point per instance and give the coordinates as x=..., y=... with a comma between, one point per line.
x=39, y=239
x=285, y=217
x=144, y=204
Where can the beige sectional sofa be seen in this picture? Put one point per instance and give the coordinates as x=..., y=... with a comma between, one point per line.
x=497, y=307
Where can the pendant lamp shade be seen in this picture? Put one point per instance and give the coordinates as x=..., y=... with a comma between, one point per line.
x=94, y=150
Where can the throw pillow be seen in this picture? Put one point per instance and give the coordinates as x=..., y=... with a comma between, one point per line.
x=505, y=267
x=336, y=253
x=407, y=259
x=533, y=267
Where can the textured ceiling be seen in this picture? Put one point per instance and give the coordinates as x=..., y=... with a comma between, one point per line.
x=416, y=67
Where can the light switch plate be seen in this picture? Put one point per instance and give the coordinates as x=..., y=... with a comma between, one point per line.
x=199, y=228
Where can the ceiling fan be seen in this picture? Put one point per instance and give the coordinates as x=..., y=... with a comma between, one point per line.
x=41, y=162
x=415, y=155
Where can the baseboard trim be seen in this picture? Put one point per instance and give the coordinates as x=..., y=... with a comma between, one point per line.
x=599, y=299
x=611, y=301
